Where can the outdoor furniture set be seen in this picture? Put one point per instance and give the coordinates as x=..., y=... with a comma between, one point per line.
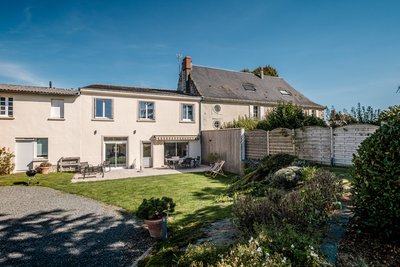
x=187, y=162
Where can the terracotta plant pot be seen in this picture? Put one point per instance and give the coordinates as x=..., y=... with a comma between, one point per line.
x=44, y=170
x=154, y=227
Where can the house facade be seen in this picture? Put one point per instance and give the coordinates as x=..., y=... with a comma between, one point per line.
x=226, y=95
x=129, y=126
x=134, y=127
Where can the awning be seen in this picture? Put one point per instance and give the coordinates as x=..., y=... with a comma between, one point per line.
x=174, y=137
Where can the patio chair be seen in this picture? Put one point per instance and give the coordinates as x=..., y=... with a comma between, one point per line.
x=106, y=163
x=216, y=169
x=186, y=163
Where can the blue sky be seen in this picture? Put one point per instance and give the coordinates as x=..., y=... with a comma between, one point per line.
x=336, y=52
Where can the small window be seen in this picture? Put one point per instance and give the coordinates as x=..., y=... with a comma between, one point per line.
x=249, y=87
x=313, y=113
x=146, y=110
x=217, y=124
x=42, y=148
x=57, y=108
x=187, y=112
x=256, y=112
x=284, y=92
x=217, y=108
x=6, y=106
x=103, y=108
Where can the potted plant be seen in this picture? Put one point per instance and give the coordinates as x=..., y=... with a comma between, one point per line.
x=44, y=167
x=152, y=211
x=212, y=158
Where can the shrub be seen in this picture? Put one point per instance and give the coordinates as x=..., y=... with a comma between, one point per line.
x=254, y=253
x=308, y=205
x=212, y=157
x=6, y=161
x=285, y=115
x=245, y=122
x=201, y=255
x=390, y=113
x=283, y=246
x=155, y=208
x=313, y=121
x=376, y=185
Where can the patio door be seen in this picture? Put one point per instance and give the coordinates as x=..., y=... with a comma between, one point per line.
x=115, y=153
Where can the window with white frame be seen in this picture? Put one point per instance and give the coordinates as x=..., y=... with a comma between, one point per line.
x=6, y=106
x=146, y=110
x=313, y=113
x=187, y=112
x=256, y=112
x=57, y=108
x=103, y=108
x=42, y=148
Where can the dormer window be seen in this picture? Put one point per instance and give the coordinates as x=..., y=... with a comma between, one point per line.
x=284, y=92
x=249, y=87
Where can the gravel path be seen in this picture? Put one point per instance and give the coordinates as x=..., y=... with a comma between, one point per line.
x=44, y=227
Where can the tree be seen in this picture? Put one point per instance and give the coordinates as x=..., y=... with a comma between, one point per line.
x=267, y=69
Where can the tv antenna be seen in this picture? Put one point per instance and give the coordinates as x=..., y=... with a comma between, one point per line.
x=179, y=58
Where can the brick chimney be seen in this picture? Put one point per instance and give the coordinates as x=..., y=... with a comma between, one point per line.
x=186, y=69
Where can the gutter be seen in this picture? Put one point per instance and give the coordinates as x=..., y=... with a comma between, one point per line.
x=144, y=95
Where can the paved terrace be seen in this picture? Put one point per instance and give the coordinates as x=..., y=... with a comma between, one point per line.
x=131, y=173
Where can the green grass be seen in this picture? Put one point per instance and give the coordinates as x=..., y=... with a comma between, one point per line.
x=194, y=193
x=341, y=172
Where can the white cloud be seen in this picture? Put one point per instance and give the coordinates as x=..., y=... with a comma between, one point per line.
x=19, y=74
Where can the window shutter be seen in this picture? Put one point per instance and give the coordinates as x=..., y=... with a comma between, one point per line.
x=262, y=112
x=251, y=111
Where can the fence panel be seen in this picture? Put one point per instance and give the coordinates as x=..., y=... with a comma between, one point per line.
x=314, y=143
x=347, y=139
x=256, y=144
x=227, y=143
x=281, y=140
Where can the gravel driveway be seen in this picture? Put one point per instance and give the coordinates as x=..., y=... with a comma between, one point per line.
x=44, y=227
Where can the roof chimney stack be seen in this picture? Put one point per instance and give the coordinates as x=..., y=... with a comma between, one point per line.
x=262, y=73
x=186, y=69
x=50, y=84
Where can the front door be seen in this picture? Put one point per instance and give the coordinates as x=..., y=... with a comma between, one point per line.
x=115, y=153
x=146, y=152
x=23, y=155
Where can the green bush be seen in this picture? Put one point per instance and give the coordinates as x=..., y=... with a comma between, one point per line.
x=285, y=115
x=308, y=205
x=6, y=161
x=283, y=246
x=245, y=122
x=314, y=121
x=376, y=184
x=390, y=113
x=155, y=208
x=201, y=255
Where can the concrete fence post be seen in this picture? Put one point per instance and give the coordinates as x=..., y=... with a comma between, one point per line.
x=267, y=143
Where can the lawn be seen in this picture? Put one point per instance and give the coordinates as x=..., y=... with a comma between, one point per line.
x=194, y=193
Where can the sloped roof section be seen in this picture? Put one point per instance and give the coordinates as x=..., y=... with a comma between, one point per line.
x=132, y=89
x=214, y=84
x=37, y=90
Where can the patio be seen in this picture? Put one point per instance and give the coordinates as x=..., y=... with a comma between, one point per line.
x=115, y=174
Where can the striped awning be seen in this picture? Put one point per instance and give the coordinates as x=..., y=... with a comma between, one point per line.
x=175, y=137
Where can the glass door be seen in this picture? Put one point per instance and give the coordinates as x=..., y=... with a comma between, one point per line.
x=115, y=153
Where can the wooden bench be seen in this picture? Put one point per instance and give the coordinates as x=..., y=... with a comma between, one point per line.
x=68, y=164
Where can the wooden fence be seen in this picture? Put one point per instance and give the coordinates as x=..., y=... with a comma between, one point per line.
x=228, y=144
x=323, y=145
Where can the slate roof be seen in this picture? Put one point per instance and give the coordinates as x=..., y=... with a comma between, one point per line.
x=217, y=84
x=37, y=90
x=132, y=89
